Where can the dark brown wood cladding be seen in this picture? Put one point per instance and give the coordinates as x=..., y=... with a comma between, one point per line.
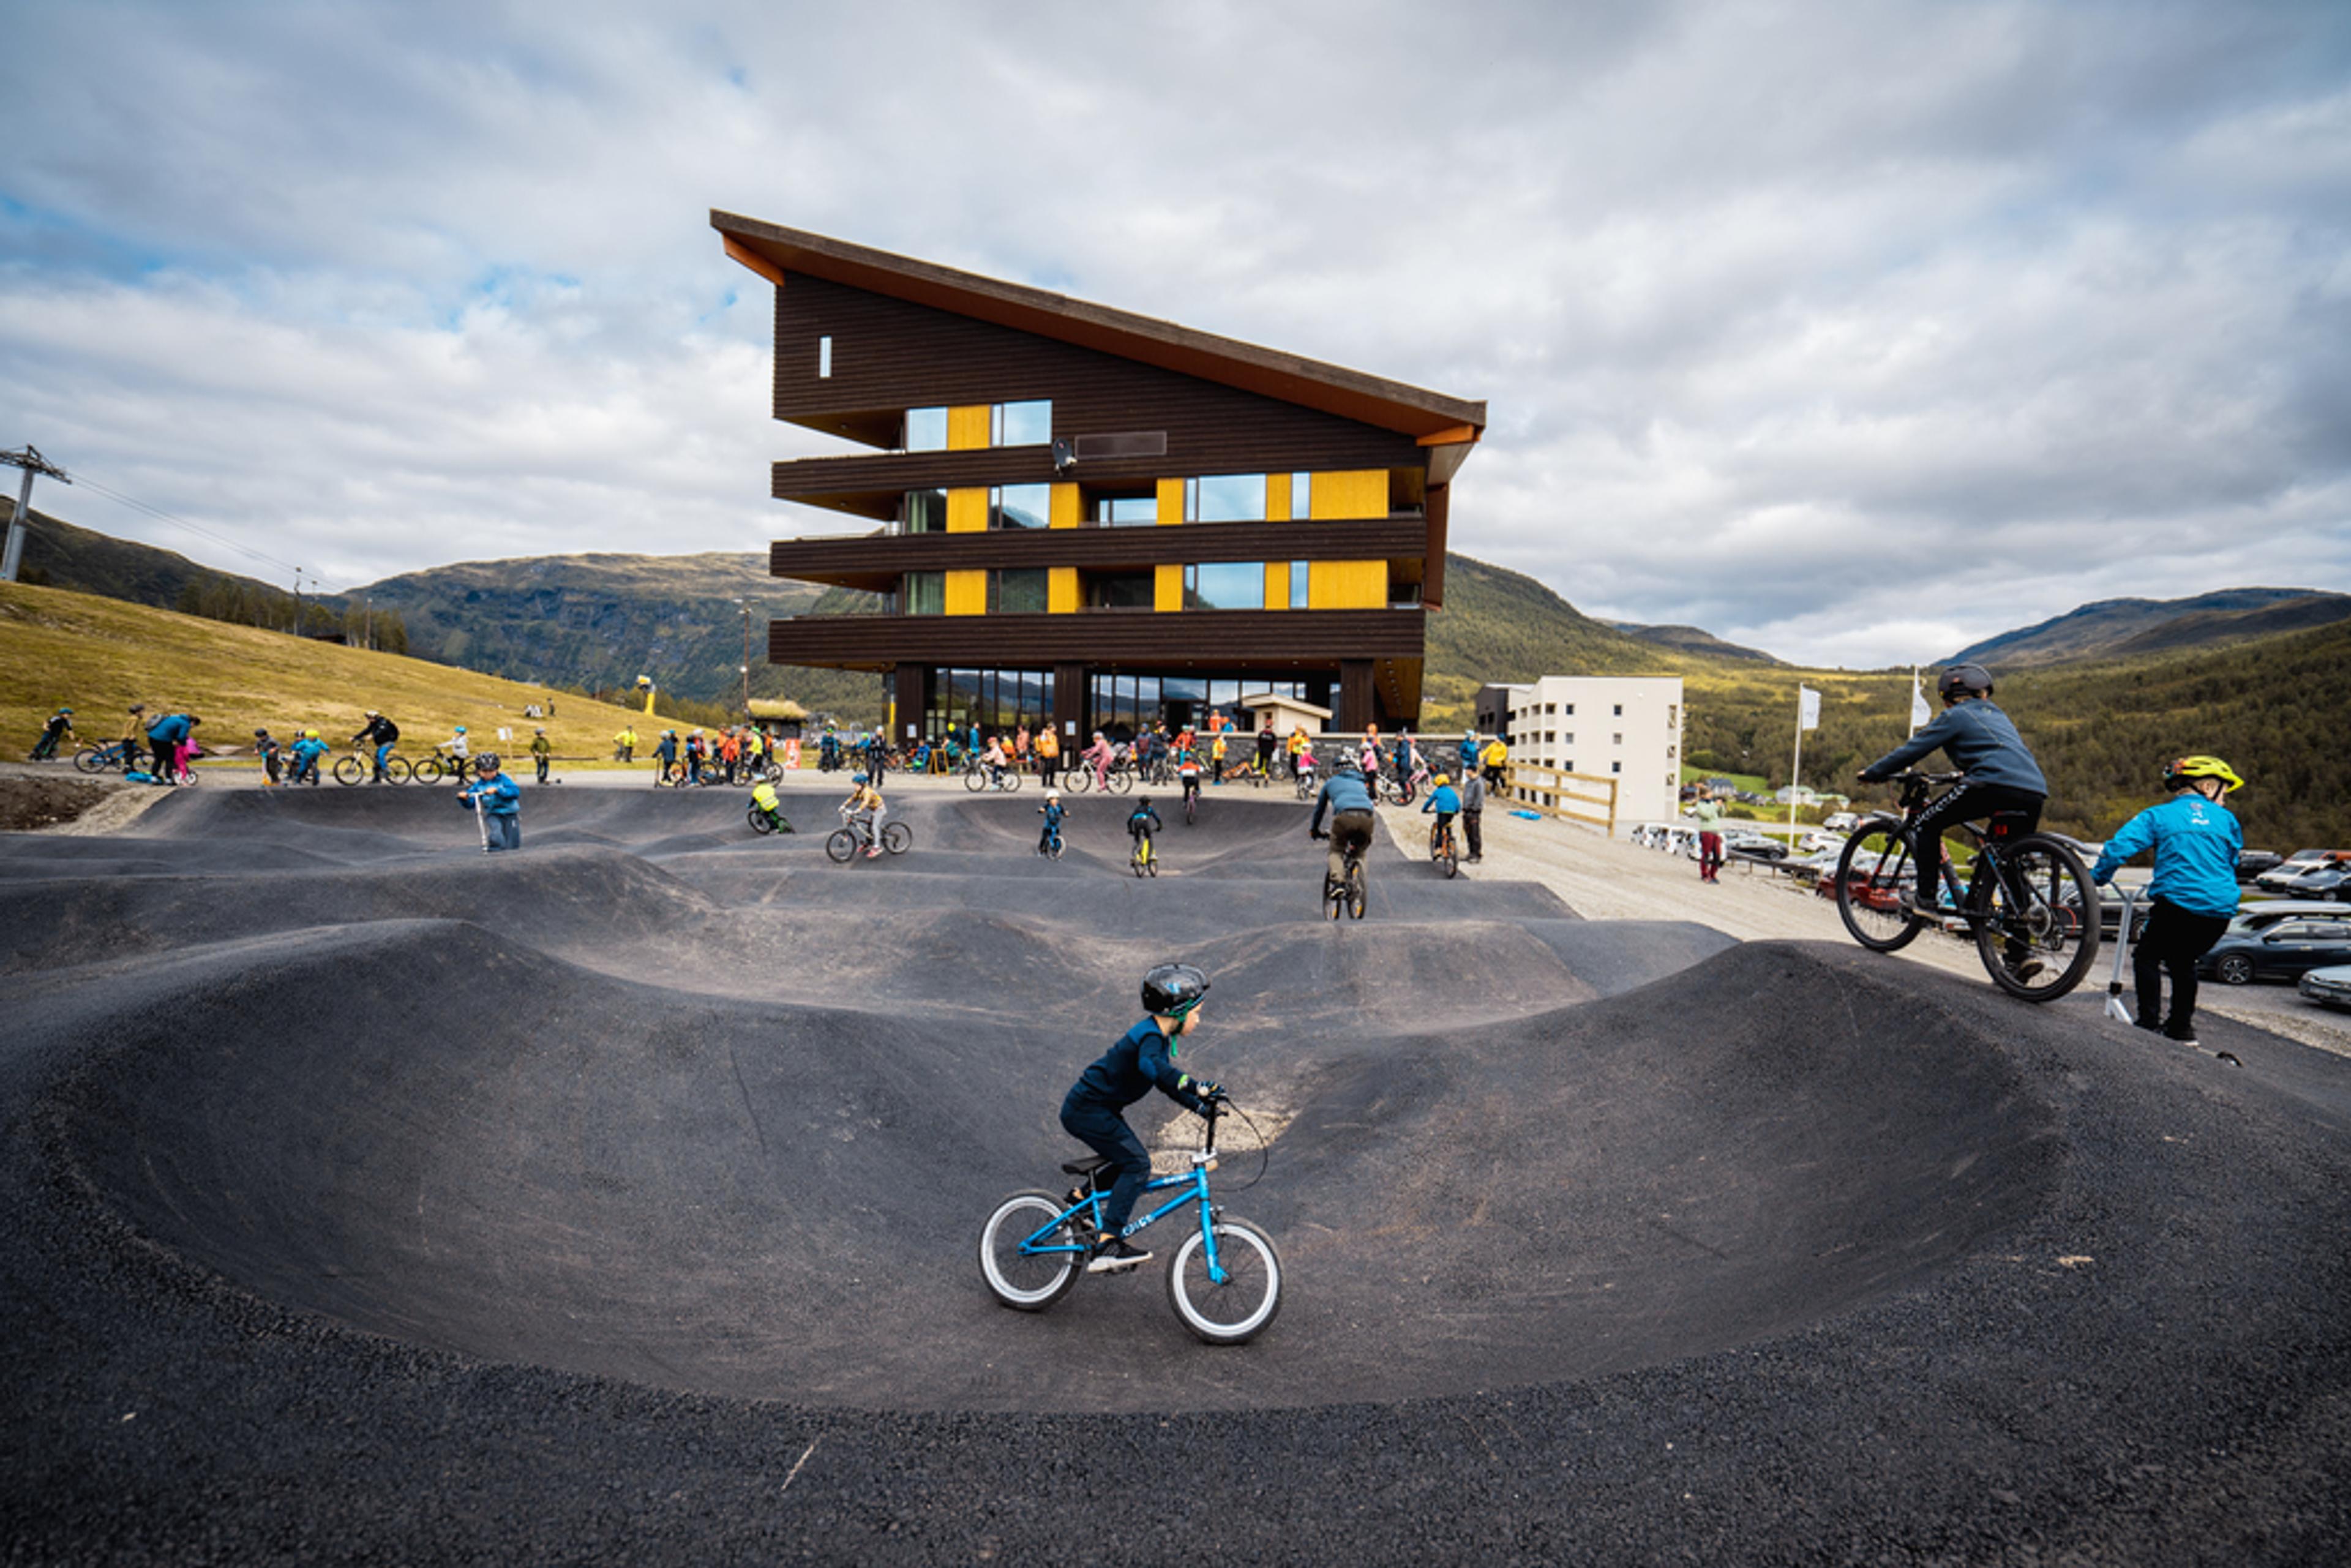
x=889, y=355
x=1176, y=639
x=873, y=562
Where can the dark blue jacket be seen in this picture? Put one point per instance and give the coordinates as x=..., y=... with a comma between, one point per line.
x=2196, y=843
x=1983, y=744
x=1145, y=819
x=1141, y=1060
x=1345, y=791
x=171, y=727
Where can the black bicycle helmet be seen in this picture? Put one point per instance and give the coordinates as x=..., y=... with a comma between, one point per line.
x=486, y=764
x=1171, y=990
x=1965, y=680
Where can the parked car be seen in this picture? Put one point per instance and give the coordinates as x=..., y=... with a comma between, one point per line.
x=1840, y=822
x=2261, y=916
x=1754, y=845
x=2324, y=880
x=2251, y=864
x=2275, y=879
x=2328, y=987
x=2282, y=949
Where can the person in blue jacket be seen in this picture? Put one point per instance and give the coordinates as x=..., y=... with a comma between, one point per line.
x=2195, y=840
x=306, y=751
x=2003, y=783
x=501, y=802
x=1142, y=1060
x=163, y=737
x=1052, y=812
x=1348, y=798
x=1446, y=801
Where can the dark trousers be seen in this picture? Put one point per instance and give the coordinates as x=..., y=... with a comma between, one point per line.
x=1472, y=831
x=1105, y=1132
x=541, y=763
x=1349, y=830
x=2015, y=813
x=2174, y=940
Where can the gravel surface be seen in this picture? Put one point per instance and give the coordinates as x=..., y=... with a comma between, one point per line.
x=374, y=1201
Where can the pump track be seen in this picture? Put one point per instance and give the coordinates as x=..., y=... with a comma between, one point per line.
x=373, y=1200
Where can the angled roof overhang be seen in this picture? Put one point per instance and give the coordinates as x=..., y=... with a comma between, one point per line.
x=775, y=253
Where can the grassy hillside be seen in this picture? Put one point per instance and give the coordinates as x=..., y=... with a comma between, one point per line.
x=598, y=621
x=58, y=554
x=100, y=656
x=2122, y=628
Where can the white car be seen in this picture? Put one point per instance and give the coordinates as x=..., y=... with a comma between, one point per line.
x=2329, y=988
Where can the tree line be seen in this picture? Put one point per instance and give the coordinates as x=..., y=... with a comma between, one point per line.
x=243, y=603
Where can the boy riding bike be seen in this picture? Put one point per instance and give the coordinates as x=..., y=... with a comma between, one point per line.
x=1443, y=800
x=863, y=811
x=1142, y=1060
x=1052, y=812
x=2002, y=783
x=1141, y=824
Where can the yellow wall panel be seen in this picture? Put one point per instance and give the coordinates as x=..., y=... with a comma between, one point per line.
x=1061, y=590
x=1277, y=497
x=966, y=511
x=1065, y=506
x=1345, y=584
x=966, y=593
x=967, y=428
x=1171, y=500
x=1357, y=492
x=1168, y=588
x=1277, y=585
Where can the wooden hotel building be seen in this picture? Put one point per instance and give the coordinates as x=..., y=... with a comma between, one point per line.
x=1084, y=515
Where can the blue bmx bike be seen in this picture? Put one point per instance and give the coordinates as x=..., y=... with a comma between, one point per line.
x=1224, y=1280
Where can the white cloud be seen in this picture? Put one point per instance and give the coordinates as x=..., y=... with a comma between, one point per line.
x=1840, y=330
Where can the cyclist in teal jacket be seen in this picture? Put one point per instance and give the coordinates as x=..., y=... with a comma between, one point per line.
x=2002, y=781
x=2196, y=841
x=1142, y=1060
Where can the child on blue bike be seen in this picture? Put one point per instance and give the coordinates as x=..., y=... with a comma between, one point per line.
x=1053, y=810
x=1445, y=802
x=1142, y=1060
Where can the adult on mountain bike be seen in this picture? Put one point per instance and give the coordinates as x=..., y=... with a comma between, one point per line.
x=1142, y=1060
x=2002, y=783
x=1348, y=798
x=382, y=734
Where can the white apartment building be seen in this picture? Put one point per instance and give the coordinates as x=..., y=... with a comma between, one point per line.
x=1624, y=727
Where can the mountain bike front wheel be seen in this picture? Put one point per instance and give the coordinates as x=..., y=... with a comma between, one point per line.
x=841, y=843
x=1244, y=1306
x=1028, y=1281
x=1870, y=896
x=2037, y=926
x=351, y=770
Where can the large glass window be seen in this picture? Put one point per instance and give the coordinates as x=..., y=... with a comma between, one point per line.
x=1121, y=590
x=1224, y=499
x=1301, y=495
x=994, y=700
x=1021, y=423
x=926, y=593
x=1301, y=583
x=924, y=512
x=1020, y=507
x=1123, y=511
x=926, y=430
x=1012, y=592
x=1225, y=585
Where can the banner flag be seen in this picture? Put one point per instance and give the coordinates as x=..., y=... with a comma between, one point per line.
x=1808, y=707
x=1918, y=711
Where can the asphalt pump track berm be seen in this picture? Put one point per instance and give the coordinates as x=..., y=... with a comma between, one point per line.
x=374, y=1199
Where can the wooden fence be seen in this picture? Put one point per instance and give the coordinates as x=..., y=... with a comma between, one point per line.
x=1553, y=792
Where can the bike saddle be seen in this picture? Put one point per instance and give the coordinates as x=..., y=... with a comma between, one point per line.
x=1085, y=1166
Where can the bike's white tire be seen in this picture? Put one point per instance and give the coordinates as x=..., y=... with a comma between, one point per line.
x=1040, y=1281
x=1248, y=1254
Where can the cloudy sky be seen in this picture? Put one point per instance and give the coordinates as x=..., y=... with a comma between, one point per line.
x=1854, y=331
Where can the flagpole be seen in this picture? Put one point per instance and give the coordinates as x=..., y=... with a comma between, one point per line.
x=1914, y=699
x=1796, y=768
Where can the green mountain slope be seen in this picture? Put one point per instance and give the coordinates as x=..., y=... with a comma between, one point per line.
x=1690, y=639
x=2121, y=628
x=598, y=621
x=57, y=554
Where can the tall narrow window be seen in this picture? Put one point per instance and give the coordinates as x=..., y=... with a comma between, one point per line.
x=1301, y=575
x=1301, y=495
x=824, y=358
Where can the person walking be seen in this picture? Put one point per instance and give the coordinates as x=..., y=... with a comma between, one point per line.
x=540, y=753
x=1049, y=754
x=1708, y=812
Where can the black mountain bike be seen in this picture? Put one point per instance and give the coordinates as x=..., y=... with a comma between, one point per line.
x=1346, y=894
x=2028, y=898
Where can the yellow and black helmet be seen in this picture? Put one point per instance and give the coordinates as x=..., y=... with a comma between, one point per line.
x=2182, y=771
